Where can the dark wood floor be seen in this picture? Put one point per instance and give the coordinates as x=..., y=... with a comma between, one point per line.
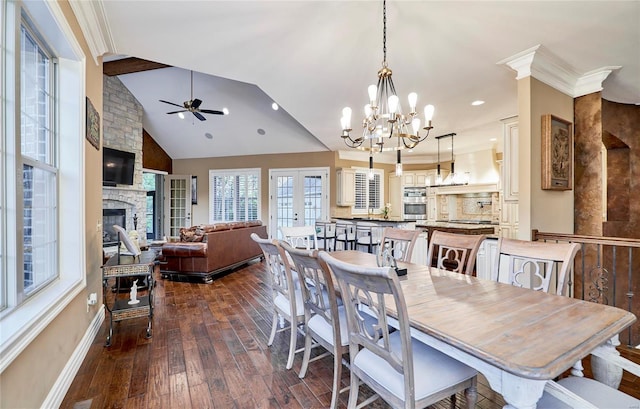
x=209, y=350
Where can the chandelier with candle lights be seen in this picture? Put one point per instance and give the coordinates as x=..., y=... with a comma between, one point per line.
x=385, y=127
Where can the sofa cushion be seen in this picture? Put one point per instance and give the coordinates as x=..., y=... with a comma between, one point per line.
x=208, y=228
x=237, y=225
x=184, y=249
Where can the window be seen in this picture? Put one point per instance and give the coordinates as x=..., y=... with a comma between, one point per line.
x=234, y=195
x=42, y=172
x=369, y=191
x=39, y=171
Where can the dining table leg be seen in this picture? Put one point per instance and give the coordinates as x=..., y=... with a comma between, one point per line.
x=520, y=393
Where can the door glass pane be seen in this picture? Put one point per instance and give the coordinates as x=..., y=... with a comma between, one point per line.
x=178, y=214
x=312, y=199
x=284, y=198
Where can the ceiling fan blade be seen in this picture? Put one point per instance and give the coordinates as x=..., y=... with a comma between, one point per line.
x=210, y=111
x=199, y=116
x=175, y=112
x=196, y=103
x=171, y=103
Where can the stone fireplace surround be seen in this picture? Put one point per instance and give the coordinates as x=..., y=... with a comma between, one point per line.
x=122, y=124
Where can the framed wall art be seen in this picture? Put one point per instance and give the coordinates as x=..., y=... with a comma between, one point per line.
x=194, y=190
x=93, y=125
x=557, y=153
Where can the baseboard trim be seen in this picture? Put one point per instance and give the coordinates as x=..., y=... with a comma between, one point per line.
x=63, y=383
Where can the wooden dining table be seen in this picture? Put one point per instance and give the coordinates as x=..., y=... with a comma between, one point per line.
x=516, y=337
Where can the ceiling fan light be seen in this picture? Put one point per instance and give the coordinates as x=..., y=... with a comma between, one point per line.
x=180, y=115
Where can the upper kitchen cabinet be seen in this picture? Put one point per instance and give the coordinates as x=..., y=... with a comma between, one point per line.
x=346, y=187
x=414, y=178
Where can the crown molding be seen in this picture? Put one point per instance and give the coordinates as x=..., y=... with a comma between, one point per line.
x=95, y=27
x=542, y=65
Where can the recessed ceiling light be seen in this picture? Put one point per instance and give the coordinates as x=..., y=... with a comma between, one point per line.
x=225, y=111
x=261, y=131
x=208, y=135
x=477, y=102
x=180, y=115
x=274, y=106
x=493, y=139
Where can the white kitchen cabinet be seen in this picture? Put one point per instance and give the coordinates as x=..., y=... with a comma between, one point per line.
x=509, y=178
x=486, y=258
x=510, y=160
x=346, y=187
x=395, y=195
x=419, y=255
x=415, y=178
x=432, y=208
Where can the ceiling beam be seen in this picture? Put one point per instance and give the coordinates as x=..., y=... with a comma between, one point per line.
x=130, y=65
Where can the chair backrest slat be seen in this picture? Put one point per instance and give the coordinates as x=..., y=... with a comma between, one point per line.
x=536, y=260
x=280, y=275
x=456, y=252
x=401, y=242
x=300, y=236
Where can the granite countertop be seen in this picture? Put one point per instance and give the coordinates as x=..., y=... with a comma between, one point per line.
x=374, y=219
x=453, y=225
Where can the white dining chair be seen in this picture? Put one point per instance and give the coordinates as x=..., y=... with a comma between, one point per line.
x=301, y=237
x=286, y=296
x=532, y=264
x=455, y=252
x=400, y=369
x=582, y=392
x=325, y=320
x=399, y=241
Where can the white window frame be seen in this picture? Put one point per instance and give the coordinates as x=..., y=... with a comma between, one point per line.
x=213, y=173
x=365, y=172
x=23, y=318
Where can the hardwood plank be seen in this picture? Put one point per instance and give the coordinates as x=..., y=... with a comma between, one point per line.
x=140, y=371
x=201, y=396
x=179, y=391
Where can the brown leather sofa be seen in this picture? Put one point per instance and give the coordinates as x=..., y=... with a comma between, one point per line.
x=207, y=250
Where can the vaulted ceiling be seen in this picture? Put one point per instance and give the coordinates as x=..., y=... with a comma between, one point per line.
x=314, y=57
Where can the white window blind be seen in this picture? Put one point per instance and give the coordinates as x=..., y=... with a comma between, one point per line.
x=368, y=191
x=234, y=195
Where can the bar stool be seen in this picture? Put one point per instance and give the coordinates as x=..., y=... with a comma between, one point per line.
x=345, y=234
x=368, y=234
x=326, y=231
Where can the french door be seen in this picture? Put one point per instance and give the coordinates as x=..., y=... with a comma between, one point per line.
x=297, y=197
x=177, y=204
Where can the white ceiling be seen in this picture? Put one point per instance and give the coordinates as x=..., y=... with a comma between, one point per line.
x=315, y=57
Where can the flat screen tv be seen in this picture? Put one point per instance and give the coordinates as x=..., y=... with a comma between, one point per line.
x=117, y=167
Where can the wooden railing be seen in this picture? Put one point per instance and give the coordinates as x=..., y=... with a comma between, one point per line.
x=606, y=271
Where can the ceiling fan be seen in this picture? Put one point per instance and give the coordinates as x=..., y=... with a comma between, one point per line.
x=193, y=106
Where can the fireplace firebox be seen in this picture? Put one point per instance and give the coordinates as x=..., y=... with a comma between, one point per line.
x=109, y=218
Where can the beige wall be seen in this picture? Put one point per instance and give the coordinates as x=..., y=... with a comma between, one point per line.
x=28, y=380
x=545, y=210
x=201, y=167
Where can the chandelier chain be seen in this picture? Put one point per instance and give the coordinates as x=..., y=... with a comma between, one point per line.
x=384, y=32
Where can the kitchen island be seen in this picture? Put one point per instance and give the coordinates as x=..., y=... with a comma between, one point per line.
x=390, y=222
x=460, y=227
